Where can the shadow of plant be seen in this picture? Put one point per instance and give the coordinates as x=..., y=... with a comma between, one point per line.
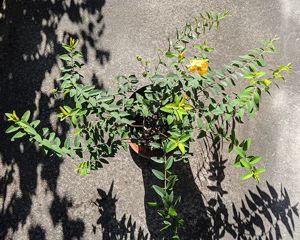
x=36, y=232
x=110, y=226
x=261, y=214
x=29, y=47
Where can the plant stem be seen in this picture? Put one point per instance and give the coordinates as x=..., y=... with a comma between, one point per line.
x=136, y=125
x=165, y=173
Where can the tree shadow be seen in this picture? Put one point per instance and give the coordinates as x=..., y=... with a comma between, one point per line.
x=108, y=224
x=36, y=233
x=261, y=214
x=29, y=49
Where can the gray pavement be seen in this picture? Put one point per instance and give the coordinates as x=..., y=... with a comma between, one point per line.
x=42, y=198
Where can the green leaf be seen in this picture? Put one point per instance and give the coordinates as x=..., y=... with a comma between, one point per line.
x=45, y=131
x=157, y=159
x=255, y=159
x=172, y=212
x=259, y=171
x=241, y=113
x=199, y=123
x=35, y=123
x=249, y=76
x=245, y=163
x=249, y=142
x=157, y=77
x=177, y=100
x=170, y=55
x=51, y=136
x=237, y=163
x=209, y=49
x=247, y=57
x=67, y=143
x=170, y=119
x=181, y=147
x=179, y=47
x=165, y=227
x=126, y=121
x=155, y=145
x=166, y=109
x=65, y=57
x=67, y=47
x=256, y=98
x=12, y=129
x=260, y=74
x=78, y=54
x=160, y=191
x=250, y=106
x=252, y=82
x=26, y=116
x=105, y=99
x=260, y=62
x=178, y=115
x=68, y=109
x=139, y=98
x=77, y=141
x=247, y=175
x=267, y=82
x=240, y=151
x=57, y=141
x=83, y=172
x=18, y=135
x=169, y=163
x=182, y=111
x=158, y=174
x=152, y=204
x=184, y=138
x=171, y=146
x=198, y=46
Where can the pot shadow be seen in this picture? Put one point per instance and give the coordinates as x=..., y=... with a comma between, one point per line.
x=110, y=227
x=191, y=207
x=29, y=46
x=261, y=214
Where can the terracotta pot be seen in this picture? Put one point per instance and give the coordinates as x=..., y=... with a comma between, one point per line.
x=144, y=151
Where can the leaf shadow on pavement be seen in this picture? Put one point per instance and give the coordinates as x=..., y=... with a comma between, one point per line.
x=29, y=49
x=109, y=226
x=261, y=213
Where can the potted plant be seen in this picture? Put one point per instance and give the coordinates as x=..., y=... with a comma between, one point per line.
x=185, y=100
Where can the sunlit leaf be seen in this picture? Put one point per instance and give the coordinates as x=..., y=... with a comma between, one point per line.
x=181, y=147
x=171, y=146
x=255, y=159
x=26, y=116
x=245, y=163
x=247, y=175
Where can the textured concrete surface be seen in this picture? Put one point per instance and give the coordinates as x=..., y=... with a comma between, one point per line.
x=42, y=198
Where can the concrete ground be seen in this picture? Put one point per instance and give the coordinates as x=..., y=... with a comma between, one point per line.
x=42, y=198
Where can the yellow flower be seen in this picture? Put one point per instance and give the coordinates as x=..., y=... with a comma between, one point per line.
x=13, y=116
x=73, y=42
x=200, y=66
